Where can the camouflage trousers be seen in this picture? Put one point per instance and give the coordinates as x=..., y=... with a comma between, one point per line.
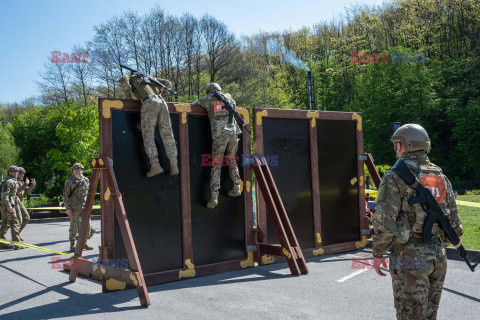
x=418, y=272
x=22, y=216
x=225, y=145
x=9, y=221
x=75, y=222
x=154, y=111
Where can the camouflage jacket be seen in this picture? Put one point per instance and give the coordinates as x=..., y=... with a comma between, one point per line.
x=75, y=192
x=9, y=192
x=395, y=221
x=219, y=116
x=141, y=89
x=23, y=188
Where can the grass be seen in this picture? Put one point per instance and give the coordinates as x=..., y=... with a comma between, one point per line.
x=470, y=217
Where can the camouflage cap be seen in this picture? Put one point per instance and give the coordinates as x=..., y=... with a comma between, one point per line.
x=212, y=87
x=13, y=169
x=21, y=170
x=77, y=166
x=413, y=137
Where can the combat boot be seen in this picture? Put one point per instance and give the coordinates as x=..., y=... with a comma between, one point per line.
x=72, y=245
x=173, y=169
x=87, y=247
x=18, y=248
x=92, y=232
x=155, y=169
x=235, y=192
x=213, y=200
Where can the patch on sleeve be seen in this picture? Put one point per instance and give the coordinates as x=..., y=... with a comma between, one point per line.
x=437, y=186
x=218, y=107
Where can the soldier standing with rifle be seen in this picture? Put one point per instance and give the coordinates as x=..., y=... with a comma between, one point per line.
x=148, y=91
x=225, y=139
x=74, y=197
x=417, y=268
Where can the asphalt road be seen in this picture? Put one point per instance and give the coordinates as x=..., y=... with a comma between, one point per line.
x=31, y=289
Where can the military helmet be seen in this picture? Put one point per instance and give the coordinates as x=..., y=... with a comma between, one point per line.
x=413, y=136
x=21, y=170
x=77, y=166
x=13, y=169
x=212, y=87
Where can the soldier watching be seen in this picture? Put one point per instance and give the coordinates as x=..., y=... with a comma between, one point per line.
x=9, y=200
x=154, y=110
x=74, y=197
x=225, y=139
x=418, y=269
x=23, y=187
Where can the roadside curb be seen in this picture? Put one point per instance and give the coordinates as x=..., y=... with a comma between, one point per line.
x=472, y=255
x=59, y=219
x=452, y=253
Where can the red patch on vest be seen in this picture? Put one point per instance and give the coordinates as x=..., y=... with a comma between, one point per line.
x=437, y=186
x=218, y=107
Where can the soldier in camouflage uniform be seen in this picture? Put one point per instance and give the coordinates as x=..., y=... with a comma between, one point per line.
x=225, y=138
x=8, y=202
x=74, y=197
x=418, y=269
x=154, y=110
x=23, y=187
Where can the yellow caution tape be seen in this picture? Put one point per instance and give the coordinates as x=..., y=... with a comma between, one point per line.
x=57, y=208
x=21, y=244
x=468, y=204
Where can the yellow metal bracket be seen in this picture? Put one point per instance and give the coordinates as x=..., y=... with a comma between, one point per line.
x=103, y=270
x=361, y=181
x=318, y=252
x=358, y=118
x=94, y=162
x=107, y=105
x=241, y=185
x=107, y=194
x=115, y=285
x=287, y=254
x=134, y=278
x=249, y=262
x=353, y=181
x=261, y=114
x=189, y=272
x=266, y=259
x=245, y=114
x=361, y=244
x=319, y=238
x=248, y=186
x=312, y=115
x=184, y=108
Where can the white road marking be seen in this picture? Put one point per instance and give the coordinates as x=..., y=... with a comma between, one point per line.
x=356, y=273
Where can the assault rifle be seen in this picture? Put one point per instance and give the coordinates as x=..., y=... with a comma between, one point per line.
x=149, y=79
x=433, y=210
x=231, y=111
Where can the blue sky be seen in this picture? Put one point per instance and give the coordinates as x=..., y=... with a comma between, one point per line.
x=30, y=30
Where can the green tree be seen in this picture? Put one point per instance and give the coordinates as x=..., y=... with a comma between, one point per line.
x=9, y=154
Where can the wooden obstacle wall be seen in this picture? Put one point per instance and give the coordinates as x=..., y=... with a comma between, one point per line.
x=176, y=235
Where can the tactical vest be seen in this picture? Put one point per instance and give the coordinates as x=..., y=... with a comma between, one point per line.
x=431, y=176
x=141, y=89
